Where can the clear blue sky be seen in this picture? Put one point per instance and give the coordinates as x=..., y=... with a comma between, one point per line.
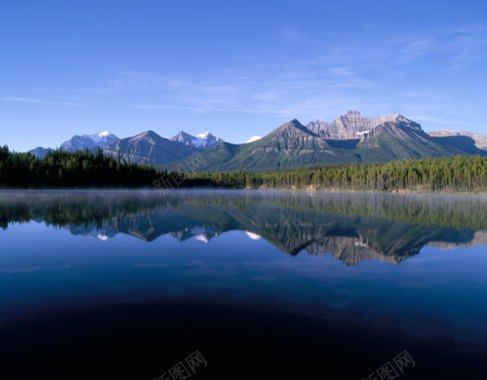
x=235, y=68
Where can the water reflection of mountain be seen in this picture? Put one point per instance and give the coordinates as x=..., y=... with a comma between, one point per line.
x=352, y=227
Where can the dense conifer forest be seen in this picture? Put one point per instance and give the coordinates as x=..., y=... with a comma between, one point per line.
x=71, y=169
x=87, y=169
x=451, y=174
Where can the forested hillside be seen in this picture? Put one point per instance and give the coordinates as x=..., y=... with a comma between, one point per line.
x=71, y=169
x=455, y=174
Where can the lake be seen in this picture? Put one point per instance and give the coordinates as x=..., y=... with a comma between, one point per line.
x=213, y=284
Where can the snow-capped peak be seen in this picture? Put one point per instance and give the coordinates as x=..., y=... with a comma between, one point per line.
x=101, y=137
x=201, y=141
x=90, y=142
x=204, y=135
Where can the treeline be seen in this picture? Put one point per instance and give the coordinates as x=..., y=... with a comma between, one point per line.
x=451, y=174
x=72, y=169
x=87, y=169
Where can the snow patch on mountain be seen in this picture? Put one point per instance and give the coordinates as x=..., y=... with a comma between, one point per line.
x=90, y=142
x=204, y=135
x=201, y=141
x=362, y=132
x=253, y=138
x=102, y=138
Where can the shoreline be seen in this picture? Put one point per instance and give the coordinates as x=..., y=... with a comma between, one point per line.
x=308, y=190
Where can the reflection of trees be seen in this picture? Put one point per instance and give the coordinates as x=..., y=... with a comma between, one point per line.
x=74, y=208
x=352, y=227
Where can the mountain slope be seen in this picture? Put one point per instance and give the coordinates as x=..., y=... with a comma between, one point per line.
x=40, y=152
x=90, y=142
x=463, y=138
x=290, y=145
x=149, y=148
x=353, y=138
x=350, y=126
x=203, y=141
x=400, y=138
x=78, y=143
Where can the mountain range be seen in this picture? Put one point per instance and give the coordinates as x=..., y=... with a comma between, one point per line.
x=350, y=138
x=146, y=147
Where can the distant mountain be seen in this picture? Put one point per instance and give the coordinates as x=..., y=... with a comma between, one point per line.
x=40, y=152
x=348, y=139
x=149, y=148
x=401, y=138
x=90, y=142
x=480, y=140
x=203, y=141
x=380, y=138
x=103, y=138
x=290, y=145
x=348, y=127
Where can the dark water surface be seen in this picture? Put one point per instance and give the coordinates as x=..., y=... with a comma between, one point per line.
x=265, y=285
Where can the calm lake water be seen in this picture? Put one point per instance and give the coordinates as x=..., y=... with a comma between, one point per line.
x=242, y=284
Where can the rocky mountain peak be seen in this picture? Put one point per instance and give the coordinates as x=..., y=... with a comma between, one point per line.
x=205, y=135
x=352, y=125
x=293, y=128
x=201, y=141
x=182, y=137
x=89, y=142
x=149, y=135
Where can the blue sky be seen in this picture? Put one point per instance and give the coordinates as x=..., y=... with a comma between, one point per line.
x=235, y=68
